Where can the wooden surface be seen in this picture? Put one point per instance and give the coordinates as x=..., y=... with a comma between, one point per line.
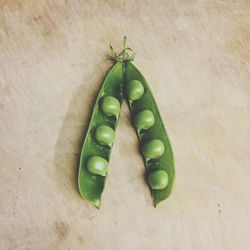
x=53, y=57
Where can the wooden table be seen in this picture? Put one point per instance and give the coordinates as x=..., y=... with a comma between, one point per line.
x=53, y=57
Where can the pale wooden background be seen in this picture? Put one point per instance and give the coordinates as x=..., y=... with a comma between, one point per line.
x=53, y=58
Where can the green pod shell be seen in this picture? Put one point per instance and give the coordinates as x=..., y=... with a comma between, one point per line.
x=158, y=131
x=90, y=185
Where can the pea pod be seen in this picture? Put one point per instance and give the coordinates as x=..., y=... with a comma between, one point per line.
x=157, y=157
x=99, y=137
x=155, y=145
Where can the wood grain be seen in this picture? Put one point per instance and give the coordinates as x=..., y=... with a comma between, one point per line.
x=53, y=57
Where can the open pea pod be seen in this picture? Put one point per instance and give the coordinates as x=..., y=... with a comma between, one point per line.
x=91, y=183
x=157, y=131
x=155, y=145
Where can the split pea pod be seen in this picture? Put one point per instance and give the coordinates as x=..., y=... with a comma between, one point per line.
x=124, y=78
x=99, y=138
x=155, y=145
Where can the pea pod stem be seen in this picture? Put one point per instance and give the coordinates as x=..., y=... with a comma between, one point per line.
x=124, y=55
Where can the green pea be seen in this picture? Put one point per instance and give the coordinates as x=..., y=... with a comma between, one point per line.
x=158, y=179
x=111, y=106
x=144, y=119
x=134, y=90
x=153, y=149
x=105, y=135
x=97, y=165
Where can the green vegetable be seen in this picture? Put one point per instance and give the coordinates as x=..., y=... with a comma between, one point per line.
x=157, y=131
x=97, y=165
x=158, y=179
x=105, y=135
x=111, y=106
x=91, y=185
x=153, y=149
x=144, y=119
x=96, y=150
x=134, y=90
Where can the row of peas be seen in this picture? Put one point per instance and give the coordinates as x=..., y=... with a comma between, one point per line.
x=152, y=149
x=104, y=135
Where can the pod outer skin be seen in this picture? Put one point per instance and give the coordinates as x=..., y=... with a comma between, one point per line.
x=91, y=186
x=166, y=161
